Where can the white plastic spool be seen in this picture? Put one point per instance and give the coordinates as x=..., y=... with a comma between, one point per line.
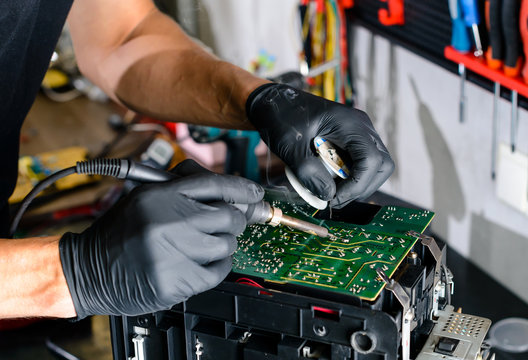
x=333, y=163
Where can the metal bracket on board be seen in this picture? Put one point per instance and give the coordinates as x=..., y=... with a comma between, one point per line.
x=407, y=315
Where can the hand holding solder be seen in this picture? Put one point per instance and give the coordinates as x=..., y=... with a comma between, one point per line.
x=288, y=121
x=158, y=246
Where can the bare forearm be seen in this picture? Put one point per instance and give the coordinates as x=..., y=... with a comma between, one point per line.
x=32, y=281
x=158, y=70
x=188, y=86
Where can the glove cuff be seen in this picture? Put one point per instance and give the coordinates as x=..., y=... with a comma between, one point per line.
x=254, y=94
x=68, y=261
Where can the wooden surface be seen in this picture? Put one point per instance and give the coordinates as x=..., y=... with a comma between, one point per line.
x=80, y=122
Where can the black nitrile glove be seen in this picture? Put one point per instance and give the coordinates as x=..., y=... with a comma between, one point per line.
x=158, y=246
x=289, y=119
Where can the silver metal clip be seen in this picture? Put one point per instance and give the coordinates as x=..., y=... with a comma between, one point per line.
x=407, y=314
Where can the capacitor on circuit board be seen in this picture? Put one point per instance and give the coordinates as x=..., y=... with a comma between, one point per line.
x=333, y=163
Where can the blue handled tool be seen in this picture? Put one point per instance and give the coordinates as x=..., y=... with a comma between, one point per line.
x=459, y=36
x=472, y=19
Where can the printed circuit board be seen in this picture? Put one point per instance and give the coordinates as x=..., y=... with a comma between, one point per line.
x=346, y=263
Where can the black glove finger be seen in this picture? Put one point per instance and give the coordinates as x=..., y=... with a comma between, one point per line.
x=214, y=187
x=200, y=278
x=384, y=172
x=313, y=175
x=363, y=171
x=202, y=249
x=189, y=167
x=215, y=272
x=218, y=218
x=192, y=280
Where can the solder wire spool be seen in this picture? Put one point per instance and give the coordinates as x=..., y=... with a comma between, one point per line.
x=332, y=162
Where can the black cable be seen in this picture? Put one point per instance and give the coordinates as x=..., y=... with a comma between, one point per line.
x=34, y=192
x=448, y=286
x=59, y=352
x=118, y=168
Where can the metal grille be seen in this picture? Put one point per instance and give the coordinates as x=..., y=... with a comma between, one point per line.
x=465, y=325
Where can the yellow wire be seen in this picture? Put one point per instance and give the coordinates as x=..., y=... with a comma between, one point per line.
x=318, y=49
x=329, y=76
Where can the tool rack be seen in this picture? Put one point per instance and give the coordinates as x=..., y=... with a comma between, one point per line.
x=478, y=66
x=427, y=33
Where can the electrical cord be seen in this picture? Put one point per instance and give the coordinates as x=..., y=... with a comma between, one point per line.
x=448, y=285
x=33, y=194
x=59, y=352
x=118, y=168
x=120, y=135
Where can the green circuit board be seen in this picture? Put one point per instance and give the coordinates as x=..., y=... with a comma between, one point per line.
x=345, y=264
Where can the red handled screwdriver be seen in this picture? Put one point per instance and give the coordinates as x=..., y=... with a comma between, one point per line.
x=523, y=25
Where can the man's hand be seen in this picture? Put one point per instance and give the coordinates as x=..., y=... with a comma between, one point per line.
x=289, y=119
x=158, y=246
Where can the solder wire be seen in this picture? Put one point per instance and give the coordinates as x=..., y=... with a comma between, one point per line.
x=283, y=189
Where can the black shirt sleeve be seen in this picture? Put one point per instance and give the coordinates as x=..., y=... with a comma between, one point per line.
x=29, y=30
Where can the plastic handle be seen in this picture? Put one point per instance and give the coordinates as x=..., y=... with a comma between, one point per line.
x=495, y=53
x=347, y=4
x=459, y=33
x=471, y=14
x=523, y=24
x=255, y=213
x=460, y=36
x=510, y=28
x=320, y=6
x=393, y=15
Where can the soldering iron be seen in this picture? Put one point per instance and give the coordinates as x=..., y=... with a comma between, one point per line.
x=261, y=212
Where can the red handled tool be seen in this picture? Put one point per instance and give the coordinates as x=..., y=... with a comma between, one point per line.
x=523, y=25
x=393, y=15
